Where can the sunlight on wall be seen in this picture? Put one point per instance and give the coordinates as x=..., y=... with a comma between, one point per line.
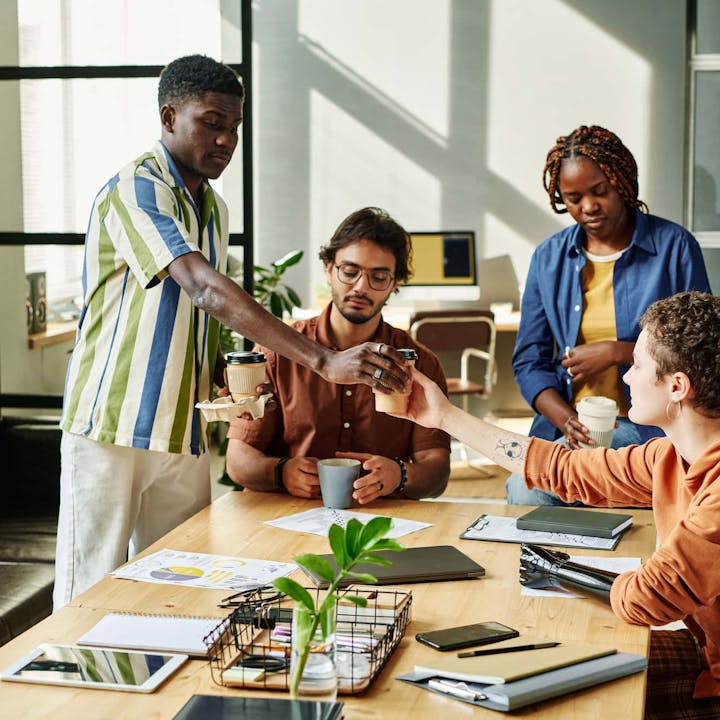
x=410, y=194
x=373, y=36
x=575, y=76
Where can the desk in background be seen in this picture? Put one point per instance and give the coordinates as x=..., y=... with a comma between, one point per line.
x=233, y=525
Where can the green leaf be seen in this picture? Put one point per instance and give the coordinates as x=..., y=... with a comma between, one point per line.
x=316, y=564
x=374, y=531
x=294, y=297
x=387, y=544
x=288, y=260
x=352, y=539
x=296, y=591
x=364, y=578
x=361, y=601
x=375, y=560
x=275, y=304
x=336, y=538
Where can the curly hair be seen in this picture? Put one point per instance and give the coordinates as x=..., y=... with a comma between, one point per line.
x=684, y=336
x=606, y=150
x=190, y=77
x=374, y=224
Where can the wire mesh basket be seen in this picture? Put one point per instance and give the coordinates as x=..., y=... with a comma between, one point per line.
x=251, y=647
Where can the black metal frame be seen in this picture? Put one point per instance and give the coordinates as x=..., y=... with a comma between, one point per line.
x=65, y=72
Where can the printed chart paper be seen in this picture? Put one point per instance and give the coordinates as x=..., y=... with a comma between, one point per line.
x=201, y=570
x=318, y=521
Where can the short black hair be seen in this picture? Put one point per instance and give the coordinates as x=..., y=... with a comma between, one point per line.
x=192, y=76
x=373, y=224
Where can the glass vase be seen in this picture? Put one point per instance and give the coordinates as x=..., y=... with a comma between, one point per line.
x=313, y=675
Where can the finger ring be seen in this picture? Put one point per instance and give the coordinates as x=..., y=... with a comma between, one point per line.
x=570, y=372
x=380, y=485
x=378, y=373
x=379, y=348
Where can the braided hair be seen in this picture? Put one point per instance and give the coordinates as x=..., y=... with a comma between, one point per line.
x=606, y=150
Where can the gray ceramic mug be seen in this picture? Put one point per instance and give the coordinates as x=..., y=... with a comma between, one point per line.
x=337, y=476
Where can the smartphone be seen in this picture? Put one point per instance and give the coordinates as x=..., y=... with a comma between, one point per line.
x=467, y=635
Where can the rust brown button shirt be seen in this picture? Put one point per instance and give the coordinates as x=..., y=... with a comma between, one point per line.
x=315, y=418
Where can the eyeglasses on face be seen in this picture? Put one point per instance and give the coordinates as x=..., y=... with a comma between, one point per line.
x=349, y=274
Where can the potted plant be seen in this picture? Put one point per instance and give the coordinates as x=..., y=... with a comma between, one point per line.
x=313, y=630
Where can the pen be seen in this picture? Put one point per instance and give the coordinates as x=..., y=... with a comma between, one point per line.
x=456, y=690
x=514, y=648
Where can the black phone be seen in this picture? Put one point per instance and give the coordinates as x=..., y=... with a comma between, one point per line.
x=466, y=635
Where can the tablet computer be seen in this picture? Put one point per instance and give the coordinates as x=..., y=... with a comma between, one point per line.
x=91, y=667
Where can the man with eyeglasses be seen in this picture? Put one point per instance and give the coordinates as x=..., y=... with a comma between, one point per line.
x=365, y=260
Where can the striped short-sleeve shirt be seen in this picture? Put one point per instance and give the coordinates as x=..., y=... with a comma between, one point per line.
x=144, y=354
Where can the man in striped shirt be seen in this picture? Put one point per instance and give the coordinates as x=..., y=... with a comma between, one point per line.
x=133, y=456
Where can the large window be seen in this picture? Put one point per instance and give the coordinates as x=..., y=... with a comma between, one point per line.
x=704, y=176
x=87, y=80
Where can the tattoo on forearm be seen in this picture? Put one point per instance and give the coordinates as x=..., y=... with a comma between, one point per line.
x=511, y=449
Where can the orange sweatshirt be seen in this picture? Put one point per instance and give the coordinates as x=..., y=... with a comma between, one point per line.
x=681, y=580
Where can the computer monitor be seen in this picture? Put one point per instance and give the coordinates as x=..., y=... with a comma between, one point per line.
x=444, y=267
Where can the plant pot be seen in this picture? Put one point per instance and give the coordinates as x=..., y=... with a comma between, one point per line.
x=313, y=674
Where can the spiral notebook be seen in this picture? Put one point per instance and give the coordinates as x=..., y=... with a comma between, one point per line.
x=140, y=631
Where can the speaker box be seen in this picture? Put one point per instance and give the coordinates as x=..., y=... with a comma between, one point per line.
x=36, y=302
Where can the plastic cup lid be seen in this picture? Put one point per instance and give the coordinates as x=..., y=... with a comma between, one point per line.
x=244, y=357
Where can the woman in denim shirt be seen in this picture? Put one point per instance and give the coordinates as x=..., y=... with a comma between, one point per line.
x=587, y=287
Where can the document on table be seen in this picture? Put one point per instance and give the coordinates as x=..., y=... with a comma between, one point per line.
x=318, y=521
x=201, y=570
x=613, y=564
x=502, y=529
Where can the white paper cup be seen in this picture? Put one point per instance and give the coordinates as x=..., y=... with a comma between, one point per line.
x=598, y=415
x=337, y=476
x=245, y=371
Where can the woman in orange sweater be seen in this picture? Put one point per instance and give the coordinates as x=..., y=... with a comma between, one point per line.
x=675, y=384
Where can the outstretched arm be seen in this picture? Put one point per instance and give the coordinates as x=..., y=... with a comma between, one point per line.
x=222, y=298
x=429, y=407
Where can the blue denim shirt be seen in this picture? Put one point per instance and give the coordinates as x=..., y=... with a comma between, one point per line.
x=663, y=258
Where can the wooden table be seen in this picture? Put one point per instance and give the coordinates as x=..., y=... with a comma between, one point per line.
x=233, y=525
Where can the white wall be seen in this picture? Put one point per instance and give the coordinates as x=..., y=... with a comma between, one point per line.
x=442, y=112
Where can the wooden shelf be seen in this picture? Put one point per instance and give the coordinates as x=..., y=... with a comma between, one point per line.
x=55, y=333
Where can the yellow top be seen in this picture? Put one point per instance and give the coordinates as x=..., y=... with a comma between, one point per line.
x=597, y=325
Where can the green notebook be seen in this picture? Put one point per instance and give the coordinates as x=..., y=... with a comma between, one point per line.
x=574, y=521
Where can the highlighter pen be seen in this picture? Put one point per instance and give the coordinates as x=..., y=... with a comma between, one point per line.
x=514, y=648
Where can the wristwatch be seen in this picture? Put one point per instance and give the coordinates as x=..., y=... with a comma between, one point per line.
x=279, y=473
x=403, y=475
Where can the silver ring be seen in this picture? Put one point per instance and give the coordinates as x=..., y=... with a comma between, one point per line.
x=380, y=486
x=570, y=372
x=378, y=373
x=379, y=348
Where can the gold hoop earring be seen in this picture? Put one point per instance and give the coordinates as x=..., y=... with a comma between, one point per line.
x=667, y=410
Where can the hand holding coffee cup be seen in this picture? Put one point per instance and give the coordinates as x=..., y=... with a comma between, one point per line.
x=394, y=402
x=598, y=415
x=245, y=370
x=337, y=479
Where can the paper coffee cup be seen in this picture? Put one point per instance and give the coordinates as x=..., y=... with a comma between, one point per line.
x=598, y=415
x=337, y=477
x=245, y=371
x=396, y=402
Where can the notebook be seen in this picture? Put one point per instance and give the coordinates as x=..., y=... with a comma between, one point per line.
x=422, y=564
x=507, y=667
x=168, y=633
x=218, y=707
x=536, y=688
x=551, y=518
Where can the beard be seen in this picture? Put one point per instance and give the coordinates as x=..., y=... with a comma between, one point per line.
x=358, y=317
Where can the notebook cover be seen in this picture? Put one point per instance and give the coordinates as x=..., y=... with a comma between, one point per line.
x=219, y=707
x=423, y=564
x=507, y=667
x=575, y=521
x=536, y=688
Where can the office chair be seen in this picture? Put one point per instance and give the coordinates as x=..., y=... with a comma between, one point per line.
x=470, y=333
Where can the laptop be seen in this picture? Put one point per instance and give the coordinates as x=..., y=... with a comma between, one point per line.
x=421, y=564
